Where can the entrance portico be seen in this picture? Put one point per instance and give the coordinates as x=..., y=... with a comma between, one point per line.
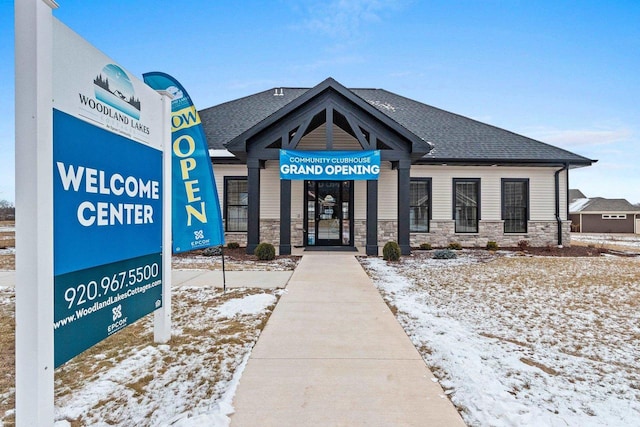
x=328, y=104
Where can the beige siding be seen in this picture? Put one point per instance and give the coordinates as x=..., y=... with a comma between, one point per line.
x=317, y=140
x=541, y=189
x=360, y=200
x=270, y=191
x=387, y=193
x=220, y=172
x=297, y=200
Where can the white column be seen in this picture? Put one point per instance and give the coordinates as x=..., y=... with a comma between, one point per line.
x=162, y=316
x=34, y=212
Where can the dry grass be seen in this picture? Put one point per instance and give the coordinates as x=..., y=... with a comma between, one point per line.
x=7, y=354
x=618, y=246
x=7, y=262
x=615, y=242
x=7, y=240
x=233, y=262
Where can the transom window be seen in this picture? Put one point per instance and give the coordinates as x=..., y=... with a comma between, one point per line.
x=419, y=205
x=515, y=204
x=614, y=216
x=236, y=203
x=466, y=204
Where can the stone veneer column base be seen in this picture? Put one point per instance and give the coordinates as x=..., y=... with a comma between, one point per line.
x=539, y=233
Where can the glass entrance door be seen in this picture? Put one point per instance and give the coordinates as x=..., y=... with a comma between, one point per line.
x=328, y=213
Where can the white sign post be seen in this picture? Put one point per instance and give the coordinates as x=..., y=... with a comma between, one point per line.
x=34, y=213
x=93, y=203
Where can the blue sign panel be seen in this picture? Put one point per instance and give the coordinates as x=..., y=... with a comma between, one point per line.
x=107, y=233
x=94, y=303
x=329, y=165
x=107, y=196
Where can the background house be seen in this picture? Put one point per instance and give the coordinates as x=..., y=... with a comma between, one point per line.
x=601, y=215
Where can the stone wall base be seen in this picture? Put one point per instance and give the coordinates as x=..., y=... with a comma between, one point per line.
x=539, y=234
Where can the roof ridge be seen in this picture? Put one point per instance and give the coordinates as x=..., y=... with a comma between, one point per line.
x=252, y=95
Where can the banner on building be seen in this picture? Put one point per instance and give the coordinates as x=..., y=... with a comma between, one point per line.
x=329, y=165
x=197, y=222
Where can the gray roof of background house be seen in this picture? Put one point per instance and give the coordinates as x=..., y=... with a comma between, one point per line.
x=600, y=204
x=575, y=194
x=455, y=138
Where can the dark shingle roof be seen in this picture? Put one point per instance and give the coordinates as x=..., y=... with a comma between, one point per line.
x=455, y=138
x=224, y=122
x=575, y=194
x=600, y=204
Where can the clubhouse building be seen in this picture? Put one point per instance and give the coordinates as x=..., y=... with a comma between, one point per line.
x=334, y=168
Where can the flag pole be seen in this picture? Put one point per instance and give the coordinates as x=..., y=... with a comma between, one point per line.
x=224, y=278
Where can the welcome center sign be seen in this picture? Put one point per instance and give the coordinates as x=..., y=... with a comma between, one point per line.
x=329, y=165
x=107, y=196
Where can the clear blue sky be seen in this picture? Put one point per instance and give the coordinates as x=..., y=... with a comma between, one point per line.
x=563, y=72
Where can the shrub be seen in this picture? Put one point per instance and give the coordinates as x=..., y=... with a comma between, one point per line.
x=391, y=251
x=444, y=254
x=455, y=246
x=425, y=246
x=265, y=251
x=492, y=246
x=212, y=251
x=523, y=244
x=233, y=245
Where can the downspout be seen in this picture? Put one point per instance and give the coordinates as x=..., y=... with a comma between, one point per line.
x=558, y=218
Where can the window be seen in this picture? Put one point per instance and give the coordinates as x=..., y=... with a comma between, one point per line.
x=236, y=203
x=419, y=205
x=614, y=216
x=466, y=204
x=515, y=205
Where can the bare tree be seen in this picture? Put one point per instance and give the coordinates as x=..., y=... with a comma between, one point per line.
x=7, y=210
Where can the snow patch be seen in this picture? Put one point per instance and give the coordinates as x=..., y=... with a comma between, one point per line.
x=249, y=305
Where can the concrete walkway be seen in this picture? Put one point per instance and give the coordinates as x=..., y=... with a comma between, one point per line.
x=333, y=354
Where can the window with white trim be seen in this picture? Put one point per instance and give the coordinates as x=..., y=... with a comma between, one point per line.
x=614, y=216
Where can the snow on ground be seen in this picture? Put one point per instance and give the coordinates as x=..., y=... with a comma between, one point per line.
x=251, y=305
x=128, y=380
x=190, y=382
x=524, y=341
x=179, y=384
